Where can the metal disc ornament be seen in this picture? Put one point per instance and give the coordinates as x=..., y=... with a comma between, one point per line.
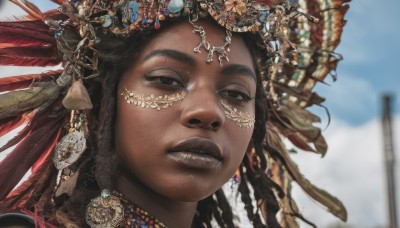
x=104, y=211
x=69, y=149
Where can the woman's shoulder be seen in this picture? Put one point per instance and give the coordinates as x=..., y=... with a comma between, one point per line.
x=16, y=220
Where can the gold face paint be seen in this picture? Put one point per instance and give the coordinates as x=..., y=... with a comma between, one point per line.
x=152, y=101
x=242, y=119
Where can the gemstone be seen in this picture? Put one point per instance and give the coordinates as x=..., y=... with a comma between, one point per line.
x=157, y=24
x=175, y=6
x=166, y=12
x=134, y=7
x=105, y=193
x=106, y=21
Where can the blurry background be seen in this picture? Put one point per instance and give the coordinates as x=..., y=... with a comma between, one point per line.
x=353, y=169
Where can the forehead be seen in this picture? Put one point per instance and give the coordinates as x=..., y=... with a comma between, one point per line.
x=180, y=37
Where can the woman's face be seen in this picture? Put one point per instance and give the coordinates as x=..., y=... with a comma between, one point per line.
x=190, y=149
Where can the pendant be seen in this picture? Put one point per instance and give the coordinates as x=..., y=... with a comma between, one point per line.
x=69, y=149
x=104, y=211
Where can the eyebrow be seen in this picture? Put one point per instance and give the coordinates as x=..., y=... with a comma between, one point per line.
x=239, y=69
x=190, y=61
x=177, y=55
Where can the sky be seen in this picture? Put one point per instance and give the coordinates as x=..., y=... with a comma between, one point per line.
x=353, y=169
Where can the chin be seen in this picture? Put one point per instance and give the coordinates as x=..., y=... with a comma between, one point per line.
x=190, y=191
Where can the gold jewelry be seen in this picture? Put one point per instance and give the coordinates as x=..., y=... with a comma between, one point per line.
x=113, y=209
x=104, y=211
x=242, y=119
x=152, y=101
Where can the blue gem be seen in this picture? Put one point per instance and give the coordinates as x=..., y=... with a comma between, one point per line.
x=134, y=7
x=144, y=21
x=166, y=12
x=174, y=6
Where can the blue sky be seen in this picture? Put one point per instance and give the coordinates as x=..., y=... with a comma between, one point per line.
x=370, y=46
x=353, y=168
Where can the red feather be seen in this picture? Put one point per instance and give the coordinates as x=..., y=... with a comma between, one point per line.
x=13, y=29
x=19, y=197
x=22, y=134
x=34, y=25
x=30, y=8
x=10, y=61
x=12, y=123
x=59, y=2
x=44, y=132
x=32, y=52
x=24, y=81
x=27, y=43
x=42, y=159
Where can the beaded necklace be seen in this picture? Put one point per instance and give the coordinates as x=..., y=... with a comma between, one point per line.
x=115, y=210
x=136, y=217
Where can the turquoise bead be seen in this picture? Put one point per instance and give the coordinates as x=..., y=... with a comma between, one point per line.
x=175, y=6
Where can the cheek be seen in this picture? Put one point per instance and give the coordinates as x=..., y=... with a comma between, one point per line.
x=135, y=133
x=239, y=140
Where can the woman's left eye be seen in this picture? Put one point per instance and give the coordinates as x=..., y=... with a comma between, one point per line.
x=236, y=96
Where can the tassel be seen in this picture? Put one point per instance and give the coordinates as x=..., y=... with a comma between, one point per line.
x=77, y=97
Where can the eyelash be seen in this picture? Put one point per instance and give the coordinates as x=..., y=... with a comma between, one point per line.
x=232, y=95
x=229, y=95
x=164, y=80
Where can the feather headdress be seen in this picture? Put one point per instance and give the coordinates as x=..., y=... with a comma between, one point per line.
x=301, y=54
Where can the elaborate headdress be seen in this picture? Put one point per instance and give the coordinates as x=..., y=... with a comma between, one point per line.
x=298, y=37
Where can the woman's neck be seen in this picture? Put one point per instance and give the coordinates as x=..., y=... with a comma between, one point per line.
x=171, y=212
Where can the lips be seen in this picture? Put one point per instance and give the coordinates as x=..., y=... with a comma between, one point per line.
x=197, y=153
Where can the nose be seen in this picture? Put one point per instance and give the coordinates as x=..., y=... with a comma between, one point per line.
x=201, y=109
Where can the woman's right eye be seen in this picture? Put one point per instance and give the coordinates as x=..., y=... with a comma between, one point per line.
x=164, y=80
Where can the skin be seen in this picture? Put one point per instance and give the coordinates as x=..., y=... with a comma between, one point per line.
x=149, y=176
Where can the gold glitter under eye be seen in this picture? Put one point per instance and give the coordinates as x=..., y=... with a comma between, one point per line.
x=242, y=119
x=152, y=101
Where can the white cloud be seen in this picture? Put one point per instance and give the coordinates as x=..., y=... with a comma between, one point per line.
x=353, y=170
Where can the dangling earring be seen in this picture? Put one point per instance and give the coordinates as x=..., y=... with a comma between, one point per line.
x=235, y=179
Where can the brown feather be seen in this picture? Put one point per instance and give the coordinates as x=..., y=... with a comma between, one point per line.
x=299, y=141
